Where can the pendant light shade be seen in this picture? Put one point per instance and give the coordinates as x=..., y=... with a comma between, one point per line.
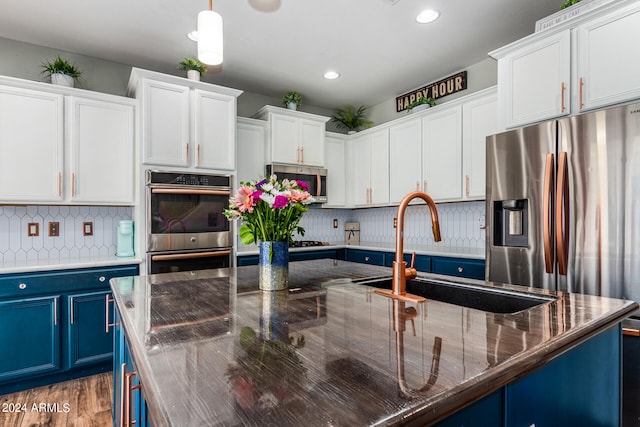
x=210, y=37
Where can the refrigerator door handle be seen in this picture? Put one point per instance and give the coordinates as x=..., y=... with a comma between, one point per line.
x=548, y=206
x=562, y=213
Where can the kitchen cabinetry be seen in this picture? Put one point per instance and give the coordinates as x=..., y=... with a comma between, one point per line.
x=294, y=137
x=405, y=159
x=185, y=123
x=578, y=65
x=252, y=137
x=30, y=332
x=365, y=256
x=442, y=153
x=369, y=156
x=479, y=120
x=243, y=260
x=61, y=143
x=469, y=268
x=102, y=141
x=56, y=323
x=336, y=170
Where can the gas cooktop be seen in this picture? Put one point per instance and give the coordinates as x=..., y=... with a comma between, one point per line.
x=307, y=243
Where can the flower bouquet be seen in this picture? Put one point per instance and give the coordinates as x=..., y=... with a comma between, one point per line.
x=270, y=211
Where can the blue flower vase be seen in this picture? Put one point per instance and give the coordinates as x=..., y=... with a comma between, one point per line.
x=273, y=264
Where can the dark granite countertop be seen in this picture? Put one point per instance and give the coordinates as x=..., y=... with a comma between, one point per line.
x=198, y=340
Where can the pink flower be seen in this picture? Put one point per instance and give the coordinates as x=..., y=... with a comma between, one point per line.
x=299, y=196
x=280, y=202
x=302, y=185
x=244, y=199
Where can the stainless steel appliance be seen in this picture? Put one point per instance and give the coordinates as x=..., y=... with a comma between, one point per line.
x=563, y=208
x=314, y=177
x=186, y=226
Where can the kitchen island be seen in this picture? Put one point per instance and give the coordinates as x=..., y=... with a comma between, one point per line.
x=339, y=354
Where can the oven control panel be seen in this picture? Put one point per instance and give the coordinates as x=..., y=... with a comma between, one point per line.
x=188, y=179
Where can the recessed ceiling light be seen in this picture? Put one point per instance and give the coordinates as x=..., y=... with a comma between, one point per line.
x=193, y=35
x=427, y=16
x=331, y=75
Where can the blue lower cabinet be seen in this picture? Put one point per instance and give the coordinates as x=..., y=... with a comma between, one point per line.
x=469, y=268
x=483, y=413
x=90, y=340
x=244, y=260
x=364, y=256
x=421, y=263
x=30, y=337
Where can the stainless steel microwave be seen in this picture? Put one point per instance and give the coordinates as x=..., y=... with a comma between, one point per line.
x=314, y=177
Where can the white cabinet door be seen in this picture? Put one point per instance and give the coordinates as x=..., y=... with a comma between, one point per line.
x=442, y=154
x=608, y=61
x=31, y=145
x=361, y=164
x=251, y=136
x=534, y=81
x=214, y=128
x=336, y=172
x=405, y=159
x=165, y=118
x=312, y=140
x=101, y=141
x=379, y=170
x=285, y=134
x=480, y=119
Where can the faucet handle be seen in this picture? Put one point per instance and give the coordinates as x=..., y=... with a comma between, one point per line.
x=413, y=259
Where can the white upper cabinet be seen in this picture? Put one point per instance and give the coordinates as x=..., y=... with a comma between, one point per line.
x=608, y=63
x=62, y=145
x=534, y=81
x=335, y=156
x=369, y=157
x=101, y=141
x=405, y=159
x=583, y=63
x=442, y=153
x=294, y=137
x=252, y=136
x=31, y=145
x=479, y=120
x=185, y=123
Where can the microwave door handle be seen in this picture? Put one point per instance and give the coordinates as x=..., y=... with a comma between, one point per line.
x=190, y=191
x=318, y=185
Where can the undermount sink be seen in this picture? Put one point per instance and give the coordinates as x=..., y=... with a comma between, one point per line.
x=466, y=295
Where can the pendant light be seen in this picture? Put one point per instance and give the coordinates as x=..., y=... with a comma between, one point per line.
x=210, y=36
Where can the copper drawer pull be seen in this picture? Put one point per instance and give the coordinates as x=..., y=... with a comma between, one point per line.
x=581, y=90
x=127, y=396
x=564, y=88
x=107, y=325
x=631, y=332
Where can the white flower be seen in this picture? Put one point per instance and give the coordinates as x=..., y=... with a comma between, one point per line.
x=268, y=198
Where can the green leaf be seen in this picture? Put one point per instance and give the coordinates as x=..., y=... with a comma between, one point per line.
x=246, y=235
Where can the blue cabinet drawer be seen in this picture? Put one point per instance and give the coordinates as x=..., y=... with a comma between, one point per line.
x=422, y=263
x=469, y=268
x=37, y=283
x=365, y=257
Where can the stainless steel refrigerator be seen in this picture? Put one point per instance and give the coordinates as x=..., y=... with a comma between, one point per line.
x=563, y=211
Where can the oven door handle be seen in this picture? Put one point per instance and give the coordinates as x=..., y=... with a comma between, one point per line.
x=169, y=257
x=190, y=191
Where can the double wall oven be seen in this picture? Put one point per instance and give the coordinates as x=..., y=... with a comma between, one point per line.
x=186, y=226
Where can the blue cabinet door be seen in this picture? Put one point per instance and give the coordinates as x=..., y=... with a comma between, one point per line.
x=30, y=337
x=469, y=268
x=365, y=257
x=90, y=340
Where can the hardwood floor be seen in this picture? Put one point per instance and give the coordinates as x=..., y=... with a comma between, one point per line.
x=85, y=402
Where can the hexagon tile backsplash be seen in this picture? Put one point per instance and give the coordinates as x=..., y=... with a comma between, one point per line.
x=16, y=245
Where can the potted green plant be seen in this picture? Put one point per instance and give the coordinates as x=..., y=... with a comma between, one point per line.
x=292, y=100
x=421, y=103
x=61, y=71
x=351, y=119
x=568, y=3
x=193, y=67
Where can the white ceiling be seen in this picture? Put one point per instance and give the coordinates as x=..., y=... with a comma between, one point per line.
x=376, y=45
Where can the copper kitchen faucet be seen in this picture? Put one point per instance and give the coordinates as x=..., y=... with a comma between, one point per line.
x=400, y=271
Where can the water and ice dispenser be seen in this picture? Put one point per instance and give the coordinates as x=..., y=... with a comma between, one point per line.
x=511, y=223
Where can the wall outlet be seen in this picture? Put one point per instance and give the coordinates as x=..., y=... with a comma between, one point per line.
x=395, y=222
x=32, y=229
x=54, y=229
x=335, y=223
x=482, y=223
x=87, y=228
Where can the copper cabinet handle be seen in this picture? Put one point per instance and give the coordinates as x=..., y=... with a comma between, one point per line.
x=71, y=310
x=55, y=311
x=547, y=207
x=59, y=183
x=127, y=396
x=123, y=380
x=564, y=88
x=417, y=185
x=424, y=186
x=298, y=155
x=466, y=184
x=198, y=156
x=581, y=89
x=562, y=214
x=302, y=152
x=73, y=184
x=631, y=332
x=107, y=325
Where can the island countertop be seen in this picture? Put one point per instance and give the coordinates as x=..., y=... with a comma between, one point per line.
x=337, y=351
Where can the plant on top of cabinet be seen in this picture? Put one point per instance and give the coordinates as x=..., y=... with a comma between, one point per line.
x=422, y=101
x=62, y=72
x=193, y=67
x=347, y=118
x=568, y=3
x=292, y=100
